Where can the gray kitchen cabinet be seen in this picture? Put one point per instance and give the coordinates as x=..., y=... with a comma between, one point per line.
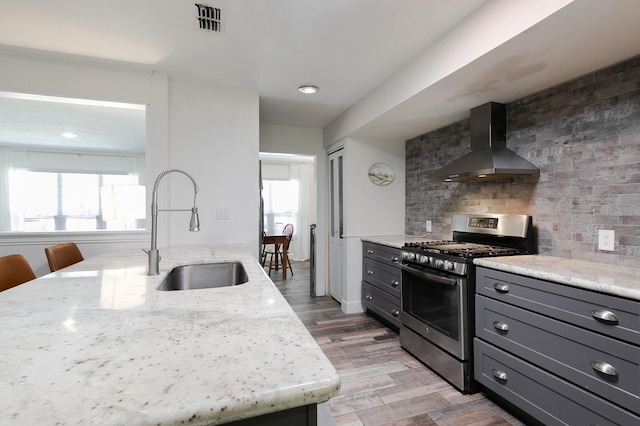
x=381, y=282
x=562, y=354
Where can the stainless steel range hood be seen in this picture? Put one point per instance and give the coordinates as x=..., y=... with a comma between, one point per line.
x=489, y=157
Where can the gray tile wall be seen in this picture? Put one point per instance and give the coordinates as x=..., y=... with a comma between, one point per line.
x=584, y=135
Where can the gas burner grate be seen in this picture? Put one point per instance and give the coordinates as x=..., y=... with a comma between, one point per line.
x=460, y=249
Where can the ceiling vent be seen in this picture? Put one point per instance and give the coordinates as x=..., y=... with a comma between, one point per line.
x=209, y=18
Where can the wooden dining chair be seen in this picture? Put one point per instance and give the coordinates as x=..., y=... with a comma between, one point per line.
x=14, y=270
x=63, y=255
x=277, y=251
x=288, y=231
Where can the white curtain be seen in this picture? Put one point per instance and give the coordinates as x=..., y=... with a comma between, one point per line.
x=8, y=159
x=303, y=173
x=11, y=215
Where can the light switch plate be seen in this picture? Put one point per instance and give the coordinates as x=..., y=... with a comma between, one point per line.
x=428, y=226
x=222, y=214
x=606, y=238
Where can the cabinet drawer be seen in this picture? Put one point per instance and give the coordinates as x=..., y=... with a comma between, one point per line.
x=382, y=303
x=389, y=255
x=565, y=303
x=544, y=396
x=579, y=356
x=383, y=276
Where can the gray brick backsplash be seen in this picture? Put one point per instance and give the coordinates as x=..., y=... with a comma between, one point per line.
x=584, y=135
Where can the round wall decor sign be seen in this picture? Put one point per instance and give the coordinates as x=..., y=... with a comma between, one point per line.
x=381, y=174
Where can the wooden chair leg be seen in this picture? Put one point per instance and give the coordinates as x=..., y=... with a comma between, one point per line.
x=270, y=262
x=289, y=264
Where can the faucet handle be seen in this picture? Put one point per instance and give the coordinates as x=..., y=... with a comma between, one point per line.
x=149, y=253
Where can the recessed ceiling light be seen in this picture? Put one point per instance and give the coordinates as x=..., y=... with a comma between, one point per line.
x=308, y=89
x=68, y=135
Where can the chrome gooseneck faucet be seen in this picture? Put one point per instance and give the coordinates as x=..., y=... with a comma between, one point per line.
x=194, y=225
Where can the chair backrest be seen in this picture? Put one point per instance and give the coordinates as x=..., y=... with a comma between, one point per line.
x=14, y=270
x=288, y=230
x=63, y=255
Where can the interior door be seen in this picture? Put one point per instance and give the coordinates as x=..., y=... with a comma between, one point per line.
x=336, y=227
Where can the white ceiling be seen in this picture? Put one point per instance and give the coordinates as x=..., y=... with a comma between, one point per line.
x=42, y=121
x=349, y=48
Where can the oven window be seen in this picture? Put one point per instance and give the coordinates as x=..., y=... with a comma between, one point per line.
x=434, y=304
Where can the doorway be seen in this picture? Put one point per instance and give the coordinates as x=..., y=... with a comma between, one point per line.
x=288, y=195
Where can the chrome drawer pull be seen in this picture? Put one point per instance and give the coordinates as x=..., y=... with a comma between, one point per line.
x=606, y=317
x=369, y=251
x=501, y=288
x=369, y=297
x=499, y=325
x=394, y=259
x=395, y=312
x=370, y=272
x=394, y=283
x=499, y=374
x=604, y=368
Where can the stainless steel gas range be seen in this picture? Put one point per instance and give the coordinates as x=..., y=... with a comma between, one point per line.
x=438, y=286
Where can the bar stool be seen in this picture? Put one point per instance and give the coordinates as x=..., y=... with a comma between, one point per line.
x=63, y=255
x=14, y=270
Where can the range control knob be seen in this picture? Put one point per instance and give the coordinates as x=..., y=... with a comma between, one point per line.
x=423, y=259
x=448, y=265
x=439, y=263
x=409, y=256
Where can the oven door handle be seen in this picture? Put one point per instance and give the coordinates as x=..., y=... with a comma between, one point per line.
x=437, y=278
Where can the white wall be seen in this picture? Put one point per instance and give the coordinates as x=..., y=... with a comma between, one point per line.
x=370, y=210
x=212, y=132
x=214, y=136
x=305, y=141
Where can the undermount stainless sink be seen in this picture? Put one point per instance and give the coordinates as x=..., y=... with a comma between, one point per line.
x=204, y=275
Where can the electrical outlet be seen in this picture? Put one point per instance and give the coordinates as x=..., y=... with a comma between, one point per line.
x=428, y=226
x=606, y=239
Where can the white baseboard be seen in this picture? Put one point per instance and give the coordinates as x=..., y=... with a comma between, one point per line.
x=353, y=307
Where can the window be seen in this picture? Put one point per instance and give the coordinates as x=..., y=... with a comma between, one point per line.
x=50, y=201
x=280, y=204
x=55, y=155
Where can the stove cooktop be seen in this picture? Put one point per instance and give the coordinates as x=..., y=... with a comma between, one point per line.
x=461, y=249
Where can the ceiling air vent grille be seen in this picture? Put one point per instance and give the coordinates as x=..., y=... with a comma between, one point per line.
x=209, y=18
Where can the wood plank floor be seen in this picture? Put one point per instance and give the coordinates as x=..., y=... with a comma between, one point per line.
x=381, y=383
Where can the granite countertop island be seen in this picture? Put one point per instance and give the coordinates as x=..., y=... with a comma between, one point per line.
x=610, y=279
x=96, y=343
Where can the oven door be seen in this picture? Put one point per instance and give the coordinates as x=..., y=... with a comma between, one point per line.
x=433, y=305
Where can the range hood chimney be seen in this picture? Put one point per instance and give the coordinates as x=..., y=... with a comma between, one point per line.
x=489, y=157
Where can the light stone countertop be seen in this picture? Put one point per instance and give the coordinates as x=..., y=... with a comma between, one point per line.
x=611, y=279
x=96, y=343
x=397, y=241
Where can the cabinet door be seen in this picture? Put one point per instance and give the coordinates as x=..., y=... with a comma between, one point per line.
x=544, y=396
x=608, y=315
x=385, y=277
x=381, y=253
x=336, y=225
x=382, y=303
x=605, y=366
